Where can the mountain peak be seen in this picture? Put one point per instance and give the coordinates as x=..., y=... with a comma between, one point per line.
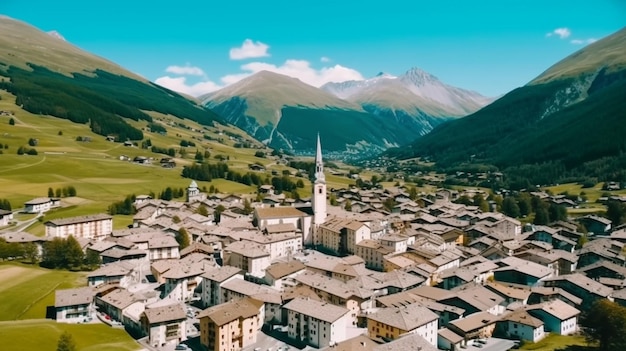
x=55, y=34
x=418, y=77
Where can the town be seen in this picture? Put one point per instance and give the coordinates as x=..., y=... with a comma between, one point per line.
x=336, y=271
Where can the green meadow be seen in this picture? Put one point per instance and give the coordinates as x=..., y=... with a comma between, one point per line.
x=26, y=291
x=43, y=335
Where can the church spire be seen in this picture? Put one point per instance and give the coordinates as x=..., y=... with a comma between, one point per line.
x=319, y=164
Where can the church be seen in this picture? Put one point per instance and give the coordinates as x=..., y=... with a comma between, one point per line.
x=305, y=219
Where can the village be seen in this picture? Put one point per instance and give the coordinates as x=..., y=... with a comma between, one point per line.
x=430, y=274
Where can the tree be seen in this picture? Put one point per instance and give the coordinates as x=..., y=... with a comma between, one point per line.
x=182, y=238
x=60, y=132
x=66, y=342
x=57, y=192
x=5, y=205
x=413, y=193
x=202, y=210
x=541, y=216
x=30, y=252
x=524, y=203
x=199, y=156
x=510, y=207
x=218, y=213
x=71, y=191
x=50, y=192
x=557, y=213
x=176, y=219
x=333, y=200
x=12, y=121
x=615, y=211
x=54, y=253
x=247, y=208
x=605, y=323
x=74, y=254
x=348, y=205
x=92, y=259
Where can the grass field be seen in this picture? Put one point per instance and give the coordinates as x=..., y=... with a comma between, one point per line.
x=43, y=335
x=554, y=342
x=592, y=195
x=26, y=291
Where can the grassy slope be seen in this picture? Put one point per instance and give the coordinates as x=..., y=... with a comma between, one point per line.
x=26, y=291
x=554, y=342
x=43, y=335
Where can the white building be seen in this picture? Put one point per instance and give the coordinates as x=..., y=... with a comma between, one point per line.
x=558, y=316
x=248, y=256
x=41, y=204
x=391, y=323
x=165, y=325
x=96, y=227
x=315, y=323
x=74, y=305
x=213, y=280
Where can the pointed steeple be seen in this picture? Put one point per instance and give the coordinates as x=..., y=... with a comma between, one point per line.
x=319, y=164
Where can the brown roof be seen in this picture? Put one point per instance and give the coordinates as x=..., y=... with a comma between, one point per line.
x=168, y=313
x=120, y=298
x=557, y=308
x=79, y=219
x=283, y=269
x=320, y=310
x=474, y=321
x=219, y=274
x=232, y=310
x=405, y=318
x=278, y=212
x=522, y=317
x=72, y=297
x=450, y=335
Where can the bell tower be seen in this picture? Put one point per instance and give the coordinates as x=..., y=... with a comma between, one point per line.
x=319, y=188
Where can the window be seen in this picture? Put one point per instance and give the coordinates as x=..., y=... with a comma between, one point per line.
x=319, y=190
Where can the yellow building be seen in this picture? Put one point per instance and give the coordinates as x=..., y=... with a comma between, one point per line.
x=391, y=323
x=232, y=325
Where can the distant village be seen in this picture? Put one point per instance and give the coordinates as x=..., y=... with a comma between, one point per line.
x=430, y=274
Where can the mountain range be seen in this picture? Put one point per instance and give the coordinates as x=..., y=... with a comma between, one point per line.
x=380, y=112
x=571, y=117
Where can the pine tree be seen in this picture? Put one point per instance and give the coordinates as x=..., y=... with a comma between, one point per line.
x=50, y=192
x=66, y=342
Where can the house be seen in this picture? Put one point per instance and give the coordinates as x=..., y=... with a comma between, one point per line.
x=520, y=325
x=475, y=298
x=449, y=340
x=408, y=342
x=581, y=286
x=281, y=275
x=232, y=325
x=96, y=227
x=596, y=224
x=557, y=316
x=341, y=235
x=518, y=271
x=315, y=323
x=116, y=302
x=393, y=322
x=74, y=305
x=5, y=217
x=41, y=204
x=477, y=325
x=279, y=244
x=264, y=216
x=248, y=256
x=164, y=324
x=511, y=293
x=373, y=253
x=116, y=273
x=24, y=238
x=212, y=281
x=182, y=280
x=163, y=247
x=601, y=250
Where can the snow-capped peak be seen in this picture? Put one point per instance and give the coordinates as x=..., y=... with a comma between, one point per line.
x=55, y=34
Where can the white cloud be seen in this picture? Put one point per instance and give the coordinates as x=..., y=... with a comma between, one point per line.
x=180, y=84
x=583, y=41
x=300, y=69
x=562, y=33
x=185, y=70
x=325, y=59
x=249, y=49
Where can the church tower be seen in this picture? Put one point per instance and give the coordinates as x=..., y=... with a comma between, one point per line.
x=319, y=188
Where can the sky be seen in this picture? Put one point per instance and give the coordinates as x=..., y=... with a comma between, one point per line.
x=195, y=47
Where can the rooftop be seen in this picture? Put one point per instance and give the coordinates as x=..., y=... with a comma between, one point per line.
x=319, y=310
x=405, y=318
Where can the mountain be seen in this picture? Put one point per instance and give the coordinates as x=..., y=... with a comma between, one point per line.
x=287, y=113
x=50, y=76
x=416, y=92
x=570, y=116
x=381, y=112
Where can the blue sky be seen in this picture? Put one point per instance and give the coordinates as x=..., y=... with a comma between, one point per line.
x=198, y=46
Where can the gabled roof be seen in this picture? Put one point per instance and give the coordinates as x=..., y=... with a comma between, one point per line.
x=73, y=297
x=220, y=274
x=405, y=318
x=319, y=310
x=474, y=321
x=283, y=269
x=278, y=212
x=522, y=317
x=232, y=310
x=556, y=308
x=582, y=282
x=169, y=313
